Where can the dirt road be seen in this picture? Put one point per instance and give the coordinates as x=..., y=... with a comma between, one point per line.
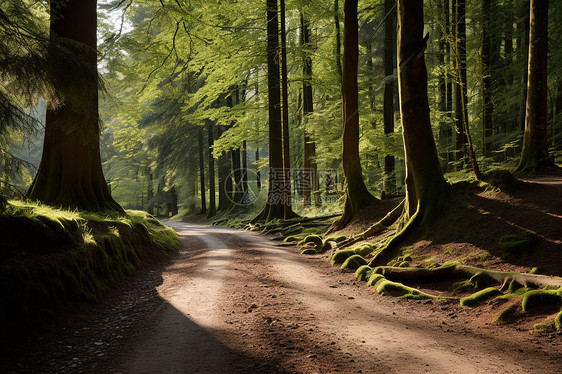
x=234, y=302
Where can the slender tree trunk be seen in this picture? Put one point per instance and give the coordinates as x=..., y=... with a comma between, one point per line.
x=487, y=104
x=244, y=156
x=258, y=173
x=389, y=181
x=310, y=176
x=275, y=207
x=357, y=195
x=534, y=155
x=337, y=27
x=288, y=211
x=523, y=28
x=173, y=201
x=202, y=173
x=459, y=7
x=70, y=173
x=212, y=203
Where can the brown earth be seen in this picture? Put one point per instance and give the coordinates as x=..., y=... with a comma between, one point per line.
x=234, y=302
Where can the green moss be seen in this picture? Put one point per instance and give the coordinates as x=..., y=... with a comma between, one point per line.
x=375, y=279
x=316, y=239
x=353, y=262
x=535, y=298
x=517, y=244
x=558, y=321
x=293, y=238
x=505, y=314
x=363, y=273
x=501, y=179
x=337, y=239
x=479, y=296
x=545, y=326
x=396, y=289
x=517, y=292
x=340, y=256
x=481, y=280
x=364, y=249
x=309, y=251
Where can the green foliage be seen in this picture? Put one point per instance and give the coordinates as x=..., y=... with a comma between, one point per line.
x=479, y=296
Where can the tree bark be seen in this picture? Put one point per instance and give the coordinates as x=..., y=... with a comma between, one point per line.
x=287, y=206
x=357, y=195
x=274, y=207
x=487, y=104
x=310, y=176
x=202, y=173
x=389, y=181
x=534, y=155
x=426, y=188
x=70, y=173
x=339, y=68
x=212, y=203
x=459, y=20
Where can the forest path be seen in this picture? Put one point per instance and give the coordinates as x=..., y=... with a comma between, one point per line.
x=235, y=302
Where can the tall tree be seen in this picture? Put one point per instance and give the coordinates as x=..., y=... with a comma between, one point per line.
x=212, y=201
x=357, y=195
x=202, y=172
x=70, y=172
x=461, y=92
x=274, y=207
x=287, y=206
x=426, y=188
x=487, y=104
x=388, y=109
x=534, y=155
x=310, y=175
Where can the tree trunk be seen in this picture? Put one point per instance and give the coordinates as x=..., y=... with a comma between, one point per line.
x=173, y=201
x=459, y=20
x=487, y=104
x=357, y=195
x=389, y=181
x=288, y=211
x=339, y=68
x=202, y=173
x=426, y=189
x=274, y=207
x=212, y=204
x=70, y=173
x=534, y=155
x=523, y=47
x=258, y=173
x=310, y=176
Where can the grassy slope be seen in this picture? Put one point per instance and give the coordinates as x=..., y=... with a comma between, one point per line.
x=48, y=256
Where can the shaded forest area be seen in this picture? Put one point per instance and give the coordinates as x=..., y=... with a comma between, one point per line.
x=364, y=128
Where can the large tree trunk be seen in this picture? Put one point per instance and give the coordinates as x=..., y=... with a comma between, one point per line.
x=426, y=189
x=310, y=176
x=389, y=180
x=274, y=207
x=70, y=172
x=357, y=195
x=534, y=155
x=287, y=206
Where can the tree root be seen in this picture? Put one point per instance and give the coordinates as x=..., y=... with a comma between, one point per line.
x=420, y=275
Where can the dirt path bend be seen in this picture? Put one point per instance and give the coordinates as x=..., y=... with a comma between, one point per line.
x=244, y=304
x=235, y=302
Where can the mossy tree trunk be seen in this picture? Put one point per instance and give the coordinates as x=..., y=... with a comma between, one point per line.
x=70, y=172
x=202, y=173
x=534, y=155
x=310, y=172
x=212, y=192
x=357, y=195
x=274, y=207
x=426, y=188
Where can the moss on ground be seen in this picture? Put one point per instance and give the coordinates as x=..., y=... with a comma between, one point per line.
x=340, y=256
x=375, y=279
x=558, y=321
x=479, y=296
x=517, y=244
x=50, y=255
x=506, y=313
x=386, y=287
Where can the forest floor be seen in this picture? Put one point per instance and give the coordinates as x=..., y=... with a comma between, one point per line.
x=236, y=302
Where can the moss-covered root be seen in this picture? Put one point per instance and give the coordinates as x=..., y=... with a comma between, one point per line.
x=340, y=256
x=315, y=239
x=479, y=296
x=386, y=287
x=506, y=313
x=537, y=298
x=353, y=262
x=363, y=273
x=558, y=321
